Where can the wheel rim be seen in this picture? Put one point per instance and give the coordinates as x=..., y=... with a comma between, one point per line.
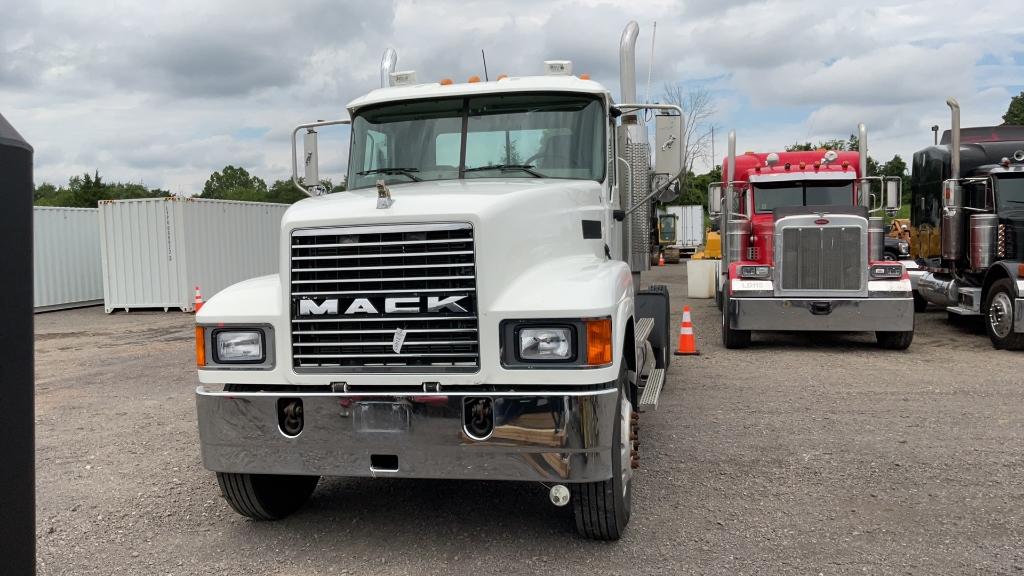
x=888, y=257
x=1000, y=315
x=626, y=442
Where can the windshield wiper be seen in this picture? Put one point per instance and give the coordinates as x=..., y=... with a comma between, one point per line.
x=507, y=168
x=391, y=171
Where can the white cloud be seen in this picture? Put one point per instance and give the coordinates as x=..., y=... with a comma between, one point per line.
x=158, y=92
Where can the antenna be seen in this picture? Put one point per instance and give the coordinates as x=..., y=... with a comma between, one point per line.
x=484, y=57
x=650, y=64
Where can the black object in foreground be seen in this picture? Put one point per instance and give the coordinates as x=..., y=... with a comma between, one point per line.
x=17, y=442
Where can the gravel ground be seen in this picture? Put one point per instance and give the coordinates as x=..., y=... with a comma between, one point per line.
x=806, y=454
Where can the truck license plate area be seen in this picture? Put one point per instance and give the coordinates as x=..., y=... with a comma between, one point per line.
x=381, y=417
x=821, y=308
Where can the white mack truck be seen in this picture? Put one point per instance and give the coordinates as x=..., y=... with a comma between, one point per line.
x=470, y=308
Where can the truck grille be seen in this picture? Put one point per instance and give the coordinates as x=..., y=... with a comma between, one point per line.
x=822, y=258
x=354, y=289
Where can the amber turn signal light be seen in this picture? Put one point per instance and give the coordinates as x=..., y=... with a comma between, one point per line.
x=200, y=346
x=599, y=342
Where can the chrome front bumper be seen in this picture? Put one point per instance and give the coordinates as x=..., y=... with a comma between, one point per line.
x=822, y=314
x=549, y=436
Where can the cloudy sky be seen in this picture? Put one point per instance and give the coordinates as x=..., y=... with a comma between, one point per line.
x=166, y=92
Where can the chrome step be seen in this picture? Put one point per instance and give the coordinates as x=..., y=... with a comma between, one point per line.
x=652, y=390
x=644, y=326
x=963, y=311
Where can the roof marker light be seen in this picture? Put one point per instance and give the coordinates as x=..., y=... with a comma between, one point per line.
x=803, y=165
x=473, y=79
x=1005, y=162
x=846, y=164
x=788, y=165
x=445, y=82
x=502, y=76
x=558, y=67
x=403, y=78
x=584, y=76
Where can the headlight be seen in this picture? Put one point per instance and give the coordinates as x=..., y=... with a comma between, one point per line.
x=754, y=271
x=887, y=271
x=904, y=248
x=546, y=343
x=238, y=346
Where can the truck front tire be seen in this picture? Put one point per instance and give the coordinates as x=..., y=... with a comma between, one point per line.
x=266, y=496
x=602, y=509
x=999, y=318
x=731, y=338
x=895, y=340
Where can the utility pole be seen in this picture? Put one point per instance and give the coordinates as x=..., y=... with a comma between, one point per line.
x=713, y=157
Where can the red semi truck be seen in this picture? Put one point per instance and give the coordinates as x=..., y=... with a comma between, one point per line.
x=802, y=236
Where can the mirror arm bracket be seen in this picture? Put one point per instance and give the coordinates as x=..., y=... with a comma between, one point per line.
x=295, y=166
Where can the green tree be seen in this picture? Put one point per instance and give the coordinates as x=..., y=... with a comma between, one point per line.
x=233, y=183
x=87, y=190
x=1015, y=111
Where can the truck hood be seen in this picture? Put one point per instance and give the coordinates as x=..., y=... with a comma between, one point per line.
x=520, y=226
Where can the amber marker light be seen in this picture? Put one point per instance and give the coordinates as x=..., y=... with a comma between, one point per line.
x=599, y=342
x=200, y=346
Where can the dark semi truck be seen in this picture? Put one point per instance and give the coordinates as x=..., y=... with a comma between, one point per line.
x=967, y=227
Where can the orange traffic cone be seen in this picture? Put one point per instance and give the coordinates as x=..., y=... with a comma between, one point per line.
x=687, y=342
x=198, y=301
x=661, y=259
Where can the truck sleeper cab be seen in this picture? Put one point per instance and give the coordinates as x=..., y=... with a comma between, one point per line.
x=967, y=227
x=803, y=251
x=465, y=310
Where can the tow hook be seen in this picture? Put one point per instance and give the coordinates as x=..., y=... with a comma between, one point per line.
x=478, y=417
x=289, y=416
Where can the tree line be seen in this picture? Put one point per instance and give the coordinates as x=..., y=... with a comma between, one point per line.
x=229, y=183
x=235, y=183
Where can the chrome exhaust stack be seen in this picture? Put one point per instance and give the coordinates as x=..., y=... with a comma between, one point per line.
x=952, y=193
x=627, y=65
x=862, y=149
x=876, y=224
x=726, y=222
x=954, y=138
x=388, y=64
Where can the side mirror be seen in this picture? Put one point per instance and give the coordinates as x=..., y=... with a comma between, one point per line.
x=715, y=198
x=668, y=142
x=670, y=190
x=893, y=198
x=310, y=159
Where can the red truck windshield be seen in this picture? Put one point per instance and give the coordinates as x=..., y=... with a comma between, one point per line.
x=771, y=195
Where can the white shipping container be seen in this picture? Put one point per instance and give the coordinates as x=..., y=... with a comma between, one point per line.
x=157, y=250
x=66, y=258
x=690, y=227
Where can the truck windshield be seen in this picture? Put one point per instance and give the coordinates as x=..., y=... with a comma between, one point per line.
x=771, y=195
x=535, y=135
x=1010, y=193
